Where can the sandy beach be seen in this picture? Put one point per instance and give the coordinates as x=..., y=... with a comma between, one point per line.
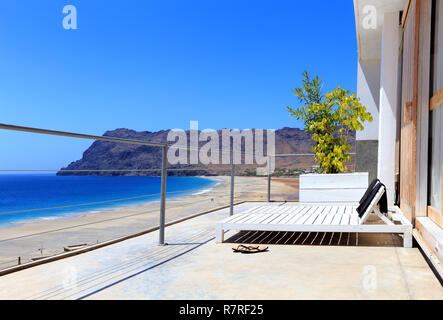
x=44, y=238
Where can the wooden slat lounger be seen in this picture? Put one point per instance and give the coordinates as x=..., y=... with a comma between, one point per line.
x=314, y=218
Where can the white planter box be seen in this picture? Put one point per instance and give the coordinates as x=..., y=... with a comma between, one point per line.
x=327, y=188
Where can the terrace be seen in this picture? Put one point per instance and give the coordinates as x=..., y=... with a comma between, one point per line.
x=136, y=258
x=193, y=266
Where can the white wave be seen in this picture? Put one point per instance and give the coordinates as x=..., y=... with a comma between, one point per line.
x=203, y=191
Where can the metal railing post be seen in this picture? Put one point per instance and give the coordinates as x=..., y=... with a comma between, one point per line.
x=163, y=195
x=269, y=178
x=231, y=209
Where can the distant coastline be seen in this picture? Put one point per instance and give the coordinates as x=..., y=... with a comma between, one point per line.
x=104, y=158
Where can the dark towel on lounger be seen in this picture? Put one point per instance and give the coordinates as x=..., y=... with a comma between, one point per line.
x=368, y=191
x=369, y=196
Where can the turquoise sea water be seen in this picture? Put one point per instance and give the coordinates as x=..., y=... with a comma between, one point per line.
x=21, y=193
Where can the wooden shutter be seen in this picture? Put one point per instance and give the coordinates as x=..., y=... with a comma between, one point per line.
x=408, y=151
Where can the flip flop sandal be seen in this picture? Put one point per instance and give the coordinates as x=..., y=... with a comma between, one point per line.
x=256, y=250
x=250, y=249
x=241, y=248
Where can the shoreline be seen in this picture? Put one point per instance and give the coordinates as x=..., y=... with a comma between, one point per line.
x=110, y=208
x=49, y=237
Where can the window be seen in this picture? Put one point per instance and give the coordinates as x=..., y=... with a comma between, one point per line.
x=436, y=115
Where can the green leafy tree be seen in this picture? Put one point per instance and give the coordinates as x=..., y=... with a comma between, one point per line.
x=329, y=118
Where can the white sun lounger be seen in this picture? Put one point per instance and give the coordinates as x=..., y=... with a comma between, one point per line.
x=315, y=218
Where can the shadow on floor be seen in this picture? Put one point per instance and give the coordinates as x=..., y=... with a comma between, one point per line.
x=316, y=239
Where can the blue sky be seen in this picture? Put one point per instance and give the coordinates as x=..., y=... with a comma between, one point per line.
x=151, y=65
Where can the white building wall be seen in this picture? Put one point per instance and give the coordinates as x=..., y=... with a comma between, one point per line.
x=388, y=102
x=368, y=90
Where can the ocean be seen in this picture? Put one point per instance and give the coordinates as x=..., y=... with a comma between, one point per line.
x=21, y=194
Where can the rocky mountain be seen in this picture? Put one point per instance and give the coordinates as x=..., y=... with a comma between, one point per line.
x=128, y=159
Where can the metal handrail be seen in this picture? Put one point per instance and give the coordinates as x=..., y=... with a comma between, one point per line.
x=164, y=147
x=78, y=135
